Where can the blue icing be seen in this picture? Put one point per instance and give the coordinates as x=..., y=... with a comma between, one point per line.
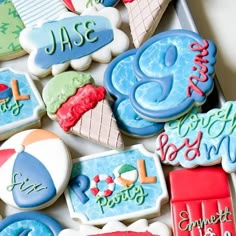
x=211, y=139
x=70, y=38
x=169, y=55
x=109, y=3
x=93, y=167
x=29, y=223
x=119, y=80
x=25, y=108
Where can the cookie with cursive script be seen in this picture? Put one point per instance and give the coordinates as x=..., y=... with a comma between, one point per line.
x=175, y=70
x=201, y=139
x=201, y=203
x=35, y=167
x=80, y=6
x=116, y=228
x=116, y=185
x=74, y=40
x=21, y=106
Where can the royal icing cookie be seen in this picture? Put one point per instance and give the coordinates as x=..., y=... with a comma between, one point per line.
x=29, y=223
x=21, y=106
x=144, y=17
x=74, y=40
x=116, y=186
x=81, y=108
x=200, y=139
x=116, y=228
x=119, y=79
x=201, y=203
x=10, y=27
x=81, y=5
x=32, y=12
x=35, y=167
x=175, y=70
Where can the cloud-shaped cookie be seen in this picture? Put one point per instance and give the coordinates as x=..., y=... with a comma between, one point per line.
x=201, y=139
x=74, y=40
x=119, y=79
x=175, y=70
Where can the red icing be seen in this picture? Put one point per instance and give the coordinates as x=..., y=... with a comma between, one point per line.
x=69, y=5
x=3, y=87
x=128, y=1
x=125, y=233
x=201, y=202
x=5, y=155
x=109, y=180
x=83, y=100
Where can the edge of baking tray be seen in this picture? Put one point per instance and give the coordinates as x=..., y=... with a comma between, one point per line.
x=216, y=98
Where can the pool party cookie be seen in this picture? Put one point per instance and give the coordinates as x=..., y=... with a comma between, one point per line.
x=31, y=12
x=10, y=27
x=144, y=17
x=175, y=70
x=119, y=79
x=21, y=106
x=81, y=5
x=201, y=203
x=74, y=41
x=114, y=185
x=81, y=108
x=200, y=139
x=139, y=227
x=35, y=167
x=29, y=223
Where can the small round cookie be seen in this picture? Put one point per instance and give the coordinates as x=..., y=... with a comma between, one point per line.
x=80, y=5
x=10, y=27
x=29, y=223
x=35, y=167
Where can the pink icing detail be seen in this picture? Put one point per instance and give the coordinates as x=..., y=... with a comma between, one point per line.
x=127, y=1
x=5, y=155
x=125, y=233
x=200, y=62
x=170, y=151
x=83, y=100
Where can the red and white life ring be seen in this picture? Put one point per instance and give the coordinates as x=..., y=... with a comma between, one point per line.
x=110, y=185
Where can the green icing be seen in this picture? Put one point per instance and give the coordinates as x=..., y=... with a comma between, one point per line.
x=61, y=87
x=126, y=168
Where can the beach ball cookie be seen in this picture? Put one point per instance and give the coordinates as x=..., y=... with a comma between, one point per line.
x=21, y=105
x=35, y=167
x=33, y=12
x=200, y=139
x=74, y=40
x=139, y=227
x=201, y=203
x=80, y=5
x=81, y=108
x=29, y=223
x=144, y=17
x=10, y=27
x=116, y=185
x=119, y=78
x=175, y=70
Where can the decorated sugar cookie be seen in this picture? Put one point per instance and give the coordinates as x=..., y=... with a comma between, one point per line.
x=33, y=12
x=81, y=5
x=10, y=27
x=200, y=139
x=94, y=195
x=74, y=40
x=21, y=106
x=81, y=108
x=175, y=70
x=35, y=167
x=116, y=228
x=29, y=223
x=201, y=203
x=119, y=79
x=144, y=17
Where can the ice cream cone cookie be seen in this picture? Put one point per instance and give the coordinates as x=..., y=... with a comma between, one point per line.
x=10, y=27
x=144, y=16
x=81, y=108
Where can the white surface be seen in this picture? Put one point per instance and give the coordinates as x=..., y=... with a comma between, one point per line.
x=211, y=22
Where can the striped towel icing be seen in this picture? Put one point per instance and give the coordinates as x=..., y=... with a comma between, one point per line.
x=33, y=11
